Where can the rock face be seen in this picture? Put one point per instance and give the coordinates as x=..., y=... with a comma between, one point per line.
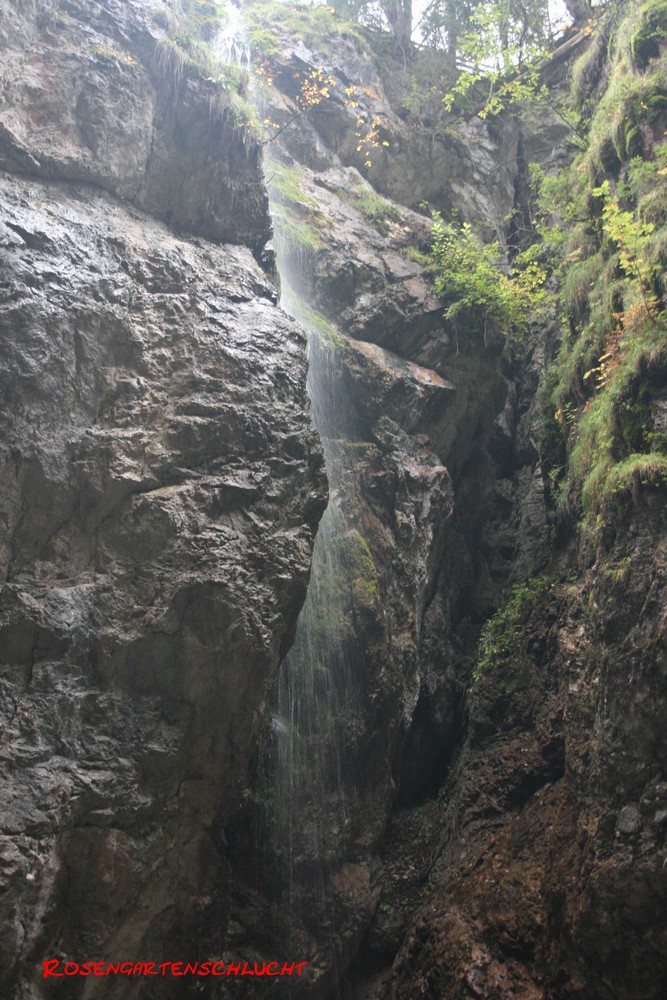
x=357, y=648
x=367, y=123
x=160, y=490
x=549, y=875
x=401, y=401
x=488, y=817
x=95, y=92
x=510, y=843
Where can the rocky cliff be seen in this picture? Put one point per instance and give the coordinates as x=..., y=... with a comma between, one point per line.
x=508, y=840
x=432, y=447
x=546, y=876
x=476, y=799
x=161, y=486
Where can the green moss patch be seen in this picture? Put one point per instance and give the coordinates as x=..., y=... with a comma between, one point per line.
x=502, y=644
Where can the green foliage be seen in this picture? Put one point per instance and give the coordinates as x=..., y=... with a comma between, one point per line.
x=502, y=35
x=189, y=23
x=430, y=76
x=285, y=181
x=647, y=181
x=650, y=33
x=501, y=50
x=104, y=54
x=388, y=898
x=588, y=69
x=499, y=90
x=634, y=96
x=602, y=410
x=608, y=245
x=638, y=469
x=295, y=235
x=298, y=220
x=191, y=26
x=343, y=584
x=418, y=256
x=317, y=25
x=502, y=639
x=557, y=196
x=171, y=59
x=631, y=237
x=356, y=558
x=376, y=210
x=475, y=284
x=425, y=831
x=614, y=420
x=608, y=490
x=166, y=18
x=313, y=321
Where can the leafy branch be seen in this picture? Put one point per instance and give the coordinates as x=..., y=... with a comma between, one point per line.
x=473, y=279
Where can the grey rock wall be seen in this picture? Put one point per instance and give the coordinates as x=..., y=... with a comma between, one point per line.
x=433, y=436
x=407, y=409
x=547, y=875
x=94, y=91
x=160, y=489
x=161, y=485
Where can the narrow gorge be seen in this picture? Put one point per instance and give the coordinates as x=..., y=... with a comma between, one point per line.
x=334, y=462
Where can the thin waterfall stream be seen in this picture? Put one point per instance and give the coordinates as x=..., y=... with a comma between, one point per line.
x=311, y=764
x=313, y=760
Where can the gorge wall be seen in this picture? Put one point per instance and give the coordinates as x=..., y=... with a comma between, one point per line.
x=161, y=487
x=503, y=745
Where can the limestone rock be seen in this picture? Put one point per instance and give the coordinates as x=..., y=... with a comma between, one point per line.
x=549, y=872
x=161, y=485
x=92, y=91
x=462, y=166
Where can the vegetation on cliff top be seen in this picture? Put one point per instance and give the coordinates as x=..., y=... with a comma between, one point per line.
x=190, y=27
x=604, y=225
x=602, y=233
x=599, y=225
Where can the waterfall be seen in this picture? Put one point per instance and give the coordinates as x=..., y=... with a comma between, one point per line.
x=311, y=766
x=313, y=756
x=231, y=44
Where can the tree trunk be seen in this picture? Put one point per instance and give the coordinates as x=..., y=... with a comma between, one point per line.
x=452, y=30
x=579, y=10
x=399, y=16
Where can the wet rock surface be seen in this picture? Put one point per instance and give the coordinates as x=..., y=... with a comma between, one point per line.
x=547, y=878
x=502, y=836
x=491, y=879
x=402, y=401
x=413, y=157
x=94, y=91
x=161, y=486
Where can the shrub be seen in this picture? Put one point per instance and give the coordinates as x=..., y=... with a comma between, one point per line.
x=474, y=282
x=501, y=642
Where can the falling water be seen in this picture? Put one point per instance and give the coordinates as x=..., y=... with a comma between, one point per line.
x=311, y=763
x=314, y=755
x=231, y=43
